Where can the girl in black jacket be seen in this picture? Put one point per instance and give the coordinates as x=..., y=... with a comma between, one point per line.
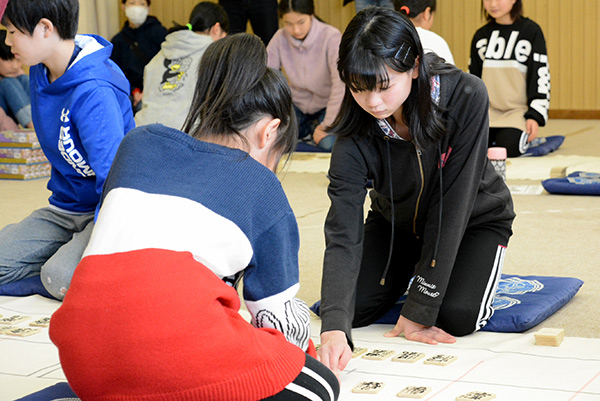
x=439, y=213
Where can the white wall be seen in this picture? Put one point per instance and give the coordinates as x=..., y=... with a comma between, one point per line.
x=100, y=17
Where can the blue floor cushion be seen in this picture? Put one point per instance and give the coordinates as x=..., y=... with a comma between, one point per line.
x=577, y=183
x=521, y=302
x=27, y=286
x=309, y=147
x=543, y=145
x=58, y=392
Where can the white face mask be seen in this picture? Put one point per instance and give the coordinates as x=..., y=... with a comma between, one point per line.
x=136, y=14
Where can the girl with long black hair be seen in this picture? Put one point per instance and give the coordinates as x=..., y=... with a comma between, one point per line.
x=440, y=214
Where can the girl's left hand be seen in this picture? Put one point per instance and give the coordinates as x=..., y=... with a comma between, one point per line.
x=417, y=332
x=319, y=134
x=532, y=129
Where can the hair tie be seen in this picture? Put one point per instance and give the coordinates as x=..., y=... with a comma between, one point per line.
x=189, y=26
x=405, y=9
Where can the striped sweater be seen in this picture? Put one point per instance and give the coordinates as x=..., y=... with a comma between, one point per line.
x=151, y=305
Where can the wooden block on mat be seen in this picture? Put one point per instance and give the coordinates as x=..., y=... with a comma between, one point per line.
x=358, y=351
x=4, y=328
x=414, y=392
x=408, y=357
x=549, y=337
x=476, y=395
x=378, y=354
x=558, y=172
x=43, y=322
x=22, y=331
x=440, y=359
x=14, y=319
x=368, y=387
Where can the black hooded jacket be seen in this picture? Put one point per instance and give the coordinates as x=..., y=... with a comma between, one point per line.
x=134, y=48
x=473, y=195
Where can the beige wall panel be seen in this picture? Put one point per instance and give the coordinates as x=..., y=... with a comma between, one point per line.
x=570, y=28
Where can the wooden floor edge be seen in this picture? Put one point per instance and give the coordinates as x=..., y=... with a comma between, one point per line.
x=575, y=114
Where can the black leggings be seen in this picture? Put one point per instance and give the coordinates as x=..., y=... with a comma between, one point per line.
x=315, y=382
x=513, y=139
x=467, y=305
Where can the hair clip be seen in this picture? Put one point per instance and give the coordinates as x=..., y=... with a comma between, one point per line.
x=405, y=54
x=405, y=9
x=189, y=26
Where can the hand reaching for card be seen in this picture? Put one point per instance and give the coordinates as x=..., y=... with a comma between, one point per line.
x=335, y=353
x=417, y=332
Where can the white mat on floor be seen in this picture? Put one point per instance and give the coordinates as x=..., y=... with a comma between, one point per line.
x=538, y=168
x=508, y=365
x=520, y=168
x=27, y=364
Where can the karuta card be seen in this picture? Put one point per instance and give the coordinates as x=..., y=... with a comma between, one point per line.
x=14, y=319
x=414, y=392
x=408, y=357
x=22, y=332
x=368, y=387
x=476, y=395
x=43, y=322
x=4, y=328
x=440, y=359
x=378, y=354
x=358, y=351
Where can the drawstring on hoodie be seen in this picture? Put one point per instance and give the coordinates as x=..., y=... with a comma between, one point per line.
x=389, y=261
x=439, y=233
x=441, y=204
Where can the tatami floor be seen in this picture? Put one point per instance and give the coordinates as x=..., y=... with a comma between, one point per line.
x=554, y=235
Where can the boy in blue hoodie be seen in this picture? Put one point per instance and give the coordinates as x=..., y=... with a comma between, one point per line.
x=81, y=112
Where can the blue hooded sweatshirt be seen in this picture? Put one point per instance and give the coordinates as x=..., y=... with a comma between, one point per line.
x=80, y=120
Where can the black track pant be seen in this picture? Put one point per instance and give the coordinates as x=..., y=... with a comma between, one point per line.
x=262, y=15
x=315, y=382
x=467, y=304
x=513, y=139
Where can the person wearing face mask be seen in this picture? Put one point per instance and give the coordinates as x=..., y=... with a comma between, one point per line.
x=136, y=44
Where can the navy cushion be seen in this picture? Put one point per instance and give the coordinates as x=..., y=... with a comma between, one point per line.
x=521, y=302
x=577, y=183
x=60, y=391
x=307, y=147
x=543, y=145
x=27, y=286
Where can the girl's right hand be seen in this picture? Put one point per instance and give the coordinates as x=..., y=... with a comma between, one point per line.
x=335, y=353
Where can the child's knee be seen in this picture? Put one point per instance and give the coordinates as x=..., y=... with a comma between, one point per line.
x=459, y=320
x=56, y=280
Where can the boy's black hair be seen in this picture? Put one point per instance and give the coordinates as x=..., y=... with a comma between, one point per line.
x=516, y=11
x=5, y=53
x=125, y=1
x=415, y=7
x=377, y=38
x=204, y=16
x=24, y=15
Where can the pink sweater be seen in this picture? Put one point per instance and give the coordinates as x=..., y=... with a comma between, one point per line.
x=311, y=68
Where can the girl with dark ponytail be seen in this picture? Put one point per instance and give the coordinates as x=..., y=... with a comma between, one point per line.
x=416, y=128
x=170, y=77
x=420, y=13
x=185, y=216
